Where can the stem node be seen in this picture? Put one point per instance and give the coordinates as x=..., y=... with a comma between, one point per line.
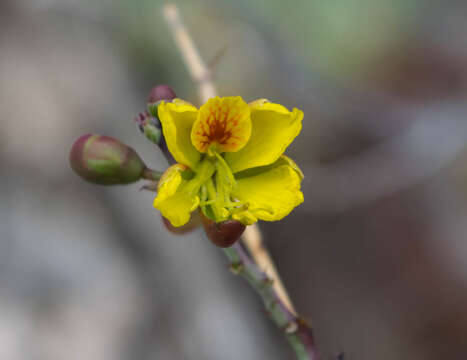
x=291, y=327
x=236, y=267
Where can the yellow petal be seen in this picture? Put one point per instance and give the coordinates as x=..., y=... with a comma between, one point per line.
x=177, y=119
x=273, y=129
x=283, y=160
x=222, y=125
x=175, y=198
x=270, y=193
x=286, y=160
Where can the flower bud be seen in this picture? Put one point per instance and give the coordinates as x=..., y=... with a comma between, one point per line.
x=224, y=233
x=151, y=127
x=149, y=123
x=105, y=160
x=161, y=92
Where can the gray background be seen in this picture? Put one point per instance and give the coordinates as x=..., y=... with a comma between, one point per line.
x=376, y=256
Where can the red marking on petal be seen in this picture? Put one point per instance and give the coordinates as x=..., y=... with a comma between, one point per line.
x=224, y=123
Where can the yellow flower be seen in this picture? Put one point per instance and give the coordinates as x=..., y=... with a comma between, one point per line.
x=230, y=160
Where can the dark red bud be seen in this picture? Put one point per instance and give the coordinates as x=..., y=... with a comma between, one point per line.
x=224, y=233
x=161, y=92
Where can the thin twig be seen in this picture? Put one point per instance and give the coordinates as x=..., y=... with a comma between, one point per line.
x=198, y=70
x=297, y=332
x=254, y=242
x=214, y=62
x=150, y=174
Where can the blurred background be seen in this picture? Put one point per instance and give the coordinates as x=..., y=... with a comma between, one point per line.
x=376, y=257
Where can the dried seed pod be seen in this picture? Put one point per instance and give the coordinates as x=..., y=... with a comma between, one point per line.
x=224, y=233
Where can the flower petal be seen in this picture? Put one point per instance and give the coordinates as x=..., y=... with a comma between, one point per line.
x=223, y=125
x=177, y=119
x=286, y=160
x=270, y=193
x=273, y=129
x=175, y=198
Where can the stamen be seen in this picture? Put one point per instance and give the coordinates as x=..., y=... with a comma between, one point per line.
x=214, y=196
x=208, y=202
x=226, y=168
x=215, y=191
x=239, y=207
x=221, y=190
x=204, y=193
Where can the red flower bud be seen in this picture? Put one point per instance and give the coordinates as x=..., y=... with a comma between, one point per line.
x=161, y=92
x=224, y=233
x=105, y=160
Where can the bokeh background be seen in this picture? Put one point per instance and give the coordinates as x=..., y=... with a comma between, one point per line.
x=376, y=257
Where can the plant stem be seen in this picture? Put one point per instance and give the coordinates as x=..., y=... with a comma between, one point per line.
x=152, y=175
x=198, y=70
x=297, y=332
x=253, y=240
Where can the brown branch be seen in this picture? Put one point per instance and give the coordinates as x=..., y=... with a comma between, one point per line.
x=198, y=70
x=297, y=332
